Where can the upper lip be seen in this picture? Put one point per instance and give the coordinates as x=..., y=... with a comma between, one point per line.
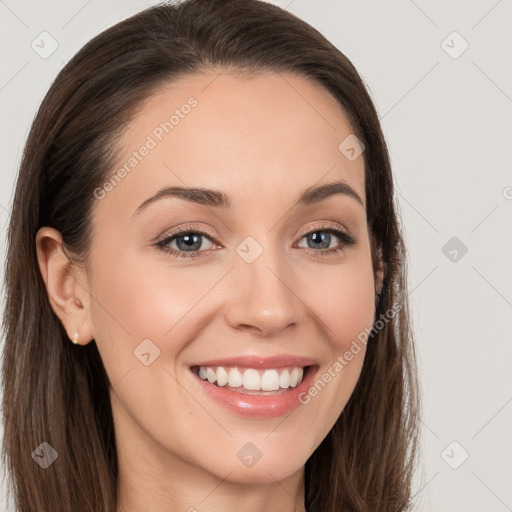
x=253, y=361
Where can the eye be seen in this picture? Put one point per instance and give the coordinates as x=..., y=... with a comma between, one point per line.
x=189, y=241
x=323, y=236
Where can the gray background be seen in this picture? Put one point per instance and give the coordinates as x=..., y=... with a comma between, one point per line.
x=447, y=117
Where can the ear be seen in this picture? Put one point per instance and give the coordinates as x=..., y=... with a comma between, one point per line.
x=66, y=285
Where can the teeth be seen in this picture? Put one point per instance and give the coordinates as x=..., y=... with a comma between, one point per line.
x=270, y=380
x=251, y=379
x=284, y=379
x=222, y=376
x=211, y=375
x=296, y=377
x=235, y=378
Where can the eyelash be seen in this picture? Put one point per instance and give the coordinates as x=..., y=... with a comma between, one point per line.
x=346, y=239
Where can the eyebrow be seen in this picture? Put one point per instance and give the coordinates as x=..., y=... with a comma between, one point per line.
x=214, y=198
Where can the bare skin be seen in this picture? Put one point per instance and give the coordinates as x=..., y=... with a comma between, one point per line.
x=262, y=141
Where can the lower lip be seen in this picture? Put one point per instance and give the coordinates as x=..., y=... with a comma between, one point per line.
x=261, y=406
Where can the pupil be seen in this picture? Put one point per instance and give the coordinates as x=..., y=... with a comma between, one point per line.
x=320, y=238
x=190, y=241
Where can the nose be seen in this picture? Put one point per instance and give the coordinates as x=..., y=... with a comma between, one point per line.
x=262, y=298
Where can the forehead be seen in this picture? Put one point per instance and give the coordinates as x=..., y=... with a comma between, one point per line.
x=250, y=136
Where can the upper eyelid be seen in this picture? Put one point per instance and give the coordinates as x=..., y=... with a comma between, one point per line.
x=184, y=230
x=326, y=224
x=321, y=226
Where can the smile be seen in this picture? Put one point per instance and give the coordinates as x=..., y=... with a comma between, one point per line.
x=251, y=380
x=254, y=392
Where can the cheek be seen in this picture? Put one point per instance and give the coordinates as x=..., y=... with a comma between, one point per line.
x=138, y=299
x=344, y=302
x=131, y=306
x=344, y=299
x=136, y=302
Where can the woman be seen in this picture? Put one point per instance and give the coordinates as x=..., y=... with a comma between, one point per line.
x=270, y=360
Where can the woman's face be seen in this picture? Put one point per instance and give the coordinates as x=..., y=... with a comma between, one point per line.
x=258, y=287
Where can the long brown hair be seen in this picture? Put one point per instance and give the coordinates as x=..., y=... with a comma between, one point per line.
x=57, y=394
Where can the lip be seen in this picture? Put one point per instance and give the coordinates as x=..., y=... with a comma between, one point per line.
x=257, y=406
x=258, y=362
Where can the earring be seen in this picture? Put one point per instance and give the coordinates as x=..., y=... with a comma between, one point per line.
x=74, y=339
